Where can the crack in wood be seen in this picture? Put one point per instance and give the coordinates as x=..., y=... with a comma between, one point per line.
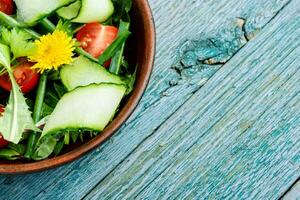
x=210, y=51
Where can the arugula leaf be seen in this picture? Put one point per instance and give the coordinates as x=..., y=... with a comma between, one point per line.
x=60, y=90
x=122, y=9
x=54, y=92
x=58, y=147
x=16, y=117
x=20, y=148
x=118, y=57
x=9, y=154
x=46, y=110
x=130, y=81
x=45, y=149
x=20, y=42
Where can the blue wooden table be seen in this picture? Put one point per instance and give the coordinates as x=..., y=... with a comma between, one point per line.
x=220, y=118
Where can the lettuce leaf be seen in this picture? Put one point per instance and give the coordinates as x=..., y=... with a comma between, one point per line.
x=20, y=42
x=16, y=117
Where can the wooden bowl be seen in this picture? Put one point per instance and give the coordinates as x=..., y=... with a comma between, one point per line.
x=143, y=52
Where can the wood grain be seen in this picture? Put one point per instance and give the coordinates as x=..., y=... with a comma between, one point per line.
x=178, y=133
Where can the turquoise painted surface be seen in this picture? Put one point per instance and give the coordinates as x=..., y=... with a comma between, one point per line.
x=219, y=119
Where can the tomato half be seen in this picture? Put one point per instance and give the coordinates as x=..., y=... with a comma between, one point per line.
x=95, y=38
x=7, y=6
x=26, y=78
x=3, y=143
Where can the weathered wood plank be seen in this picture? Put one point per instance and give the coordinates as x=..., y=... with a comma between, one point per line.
x=294, y=193
x=201, y=22
x=237, y=138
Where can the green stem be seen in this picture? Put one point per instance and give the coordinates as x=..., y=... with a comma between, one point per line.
x=33, y=33
x=40, y=96
x=82, y=52
x=114, y=47
x=8, y=21
x=9, y=154
x=47, y=24
x=116, y=61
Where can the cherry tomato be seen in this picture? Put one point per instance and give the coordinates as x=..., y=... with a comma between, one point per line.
x=3, y=143
x=7, y=6
x=95, y=38
x=25, y=77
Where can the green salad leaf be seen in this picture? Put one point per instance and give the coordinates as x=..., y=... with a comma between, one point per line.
x=64, y=25
x=118, y=57
x=122, y=9
x=20, y=42
x=20, y=148
x=45, y=149
x=4, y=56
x=16, y=117
x=9, y=154
x=114, y=47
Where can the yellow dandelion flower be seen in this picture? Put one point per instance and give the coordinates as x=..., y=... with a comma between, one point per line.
x=53, y=51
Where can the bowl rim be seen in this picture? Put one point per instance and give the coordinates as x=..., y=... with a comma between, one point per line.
x=127, y=110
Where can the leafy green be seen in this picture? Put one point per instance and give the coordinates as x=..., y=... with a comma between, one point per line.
x=51, y=98
x=114, y=47
x=4, y=56
x=58, y=147
x=118, y=58
x=65, y=25
x=20, y=42
x=121, y=18
x=54, y=92
x=10, y=22
x=60, y=90
x=45, y=149
x=130, y=81
x=36, y=115
x=20, y=148
x=9, y=154
x=122, y=8
x=16, y=117
x=46, y=110
x=74, y=136
x=53, y=75
x=67, y=137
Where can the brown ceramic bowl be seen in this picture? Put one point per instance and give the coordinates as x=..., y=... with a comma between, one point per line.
x=142, y=53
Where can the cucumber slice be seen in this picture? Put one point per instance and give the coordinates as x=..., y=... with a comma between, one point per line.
x=84, y=72
x=30, y=11
x=71, y=11
x=94, y=11
x=86, y=108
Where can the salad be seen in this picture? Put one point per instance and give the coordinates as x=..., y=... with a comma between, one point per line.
x=63, y=72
